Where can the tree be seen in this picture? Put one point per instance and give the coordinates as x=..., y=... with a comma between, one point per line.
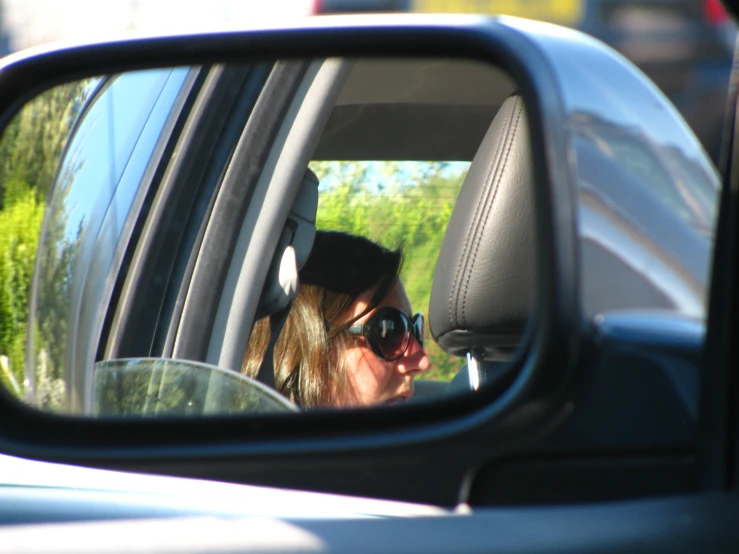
x=30, y=151
x=32, y=144
x=20, y=223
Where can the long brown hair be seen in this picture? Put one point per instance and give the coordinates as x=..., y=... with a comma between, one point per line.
x=308, y=363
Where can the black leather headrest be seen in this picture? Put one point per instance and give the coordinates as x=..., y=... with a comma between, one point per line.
x=483, y=286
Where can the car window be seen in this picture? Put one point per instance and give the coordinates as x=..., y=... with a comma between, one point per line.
x=404, y=204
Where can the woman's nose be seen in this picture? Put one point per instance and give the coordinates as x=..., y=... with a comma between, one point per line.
x=415, y=360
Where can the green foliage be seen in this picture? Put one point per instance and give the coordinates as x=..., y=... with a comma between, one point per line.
x=396, y=203
x=20, y=224
x=32, y=143
x=30, y=151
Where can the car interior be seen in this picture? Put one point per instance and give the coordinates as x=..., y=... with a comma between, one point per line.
x=441, y=110
x=418, y=110
x=428, y=110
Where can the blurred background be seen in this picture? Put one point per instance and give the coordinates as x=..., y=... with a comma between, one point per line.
x=684, y=46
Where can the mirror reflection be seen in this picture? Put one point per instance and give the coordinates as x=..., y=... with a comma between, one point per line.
x=91, y=325
x=298, y=235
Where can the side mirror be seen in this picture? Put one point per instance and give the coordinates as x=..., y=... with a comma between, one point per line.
x=164, y=236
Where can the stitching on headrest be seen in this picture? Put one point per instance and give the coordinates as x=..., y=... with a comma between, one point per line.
x=501, y=167
x=454, y=292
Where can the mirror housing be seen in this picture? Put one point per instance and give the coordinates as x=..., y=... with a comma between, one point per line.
x=564, y=78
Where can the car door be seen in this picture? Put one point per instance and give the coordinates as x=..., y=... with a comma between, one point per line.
x=86, y=243
x=193, y=111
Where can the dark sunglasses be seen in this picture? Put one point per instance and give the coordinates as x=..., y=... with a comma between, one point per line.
x=389, y=332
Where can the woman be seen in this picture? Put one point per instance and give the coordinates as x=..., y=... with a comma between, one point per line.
x=349, y=339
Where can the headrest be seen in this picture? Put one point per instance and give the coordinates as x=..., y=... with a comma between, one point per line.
x=303, y=217
x=297, y=235
x=483, y=286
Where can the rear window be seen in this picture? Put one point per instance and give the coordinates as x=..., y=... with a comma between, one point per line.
x=397, y=204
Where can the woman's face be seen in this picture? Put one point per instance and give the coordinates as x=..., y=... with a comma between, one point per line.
x=372, y=380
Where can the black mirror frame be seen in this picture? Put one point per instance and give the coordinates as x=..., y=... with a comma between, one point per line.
x=537, y=400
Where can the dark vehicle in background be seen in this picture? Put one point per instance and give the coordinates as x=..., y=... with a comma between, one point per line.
x=684, y=46
x=5, y=39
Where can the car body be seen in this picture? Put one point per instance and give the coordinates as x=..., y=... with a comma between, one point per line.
x=118, y=495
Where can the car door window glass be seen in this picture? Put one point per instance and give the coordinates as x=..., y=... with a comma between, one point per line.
x=106, y=237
